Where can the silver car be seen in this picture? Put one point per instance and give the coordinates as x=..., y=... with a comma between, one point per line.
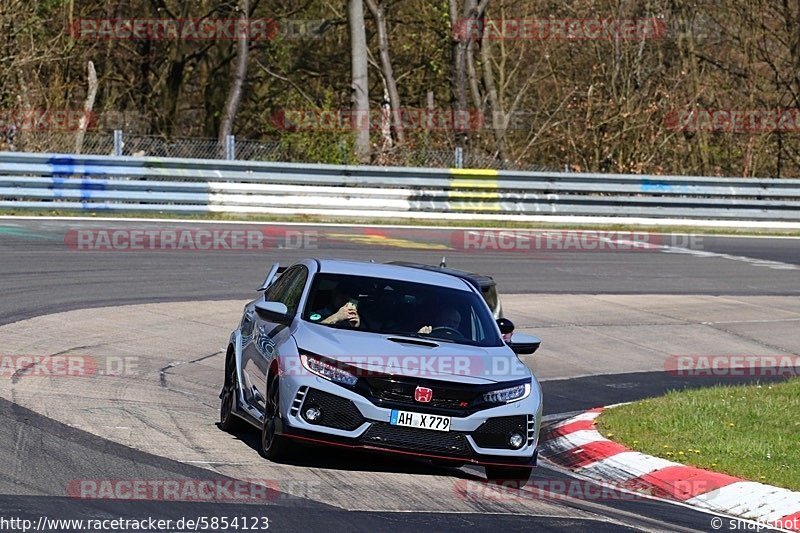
x=382, y=357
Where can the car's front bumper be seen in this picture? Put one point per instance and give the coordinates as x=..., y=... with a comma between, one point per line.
x=352, y=420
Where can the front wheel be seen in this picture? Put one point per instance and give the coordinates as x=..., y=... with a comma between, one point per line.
x=273, y=446
x=503, y=473
x=228, y=421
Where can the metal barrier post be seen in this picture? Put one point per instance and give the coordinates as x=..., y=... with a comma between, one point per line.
x=230, y=148
x=118, y=144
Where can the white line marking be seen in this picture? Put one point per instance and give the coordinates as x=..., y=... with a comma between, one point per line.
x=775, y=265
x=542, y=219
x=581, y=417
x=575, y=440
x=750, y=499
x=625, y=465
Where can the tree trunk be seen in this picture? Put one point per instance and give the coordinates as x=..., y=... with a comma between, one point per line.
x=88, y=106
x=472, y=75
x=496, y=112
x=239, y=76
x=378, y=13
x=459, y=71
x=360, y=80
x=461, y=32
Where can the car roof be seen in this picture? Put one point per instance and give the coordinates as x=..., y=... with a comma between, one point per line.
x=479, y=280
x=390, y=271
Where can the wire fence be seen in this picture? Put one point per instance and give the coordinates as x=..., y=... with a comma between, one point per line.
x=121, y=143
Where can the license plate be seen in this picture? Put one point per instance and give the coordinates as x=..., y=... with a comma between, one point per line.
x=418, y=420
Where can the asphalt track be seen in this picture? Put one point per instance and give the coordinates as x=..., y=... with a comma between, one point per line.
x=40, y=275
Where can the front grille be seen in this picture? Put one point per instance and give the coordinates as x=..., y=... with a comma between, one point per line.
x=494, y=433
x=398, y=392
x=401, y=396
x=338, y=413
x=449, y=443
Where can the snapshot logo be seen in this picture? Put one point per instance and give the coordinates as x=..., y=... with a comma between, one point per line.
x=202, y=29
x=46, y=120
x=189, y=239
x=563, y=29
x=552, y=489
x=734, y=120
x=733, y=366
x=191, y=490
x=377, y=120
x=570, y=241
x=25, y=366
x=786, y=523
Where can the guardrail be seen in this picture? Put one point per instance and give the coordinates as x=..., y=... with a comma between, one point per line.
x=107, y=183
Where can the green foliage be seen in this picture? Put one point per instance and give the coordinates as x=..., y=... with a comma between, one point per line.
x=316, y=147
x=46, y=8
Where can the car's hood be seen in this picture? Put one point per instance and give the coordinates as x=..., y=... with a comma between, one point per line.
x=410, y=356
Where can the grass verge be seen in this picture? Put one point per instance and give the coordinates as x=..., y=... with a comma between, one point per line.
x=748, y=431
x=433, y=223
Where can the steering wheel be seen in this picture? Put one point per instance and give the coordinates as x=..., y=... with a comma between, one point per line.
x=448, y=332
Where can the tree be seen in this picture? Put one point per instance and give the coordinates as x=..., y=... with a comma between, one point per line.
x=359, y=79
x=463, y=25
x=378, y=11
x=88, y=107
x=237, y=81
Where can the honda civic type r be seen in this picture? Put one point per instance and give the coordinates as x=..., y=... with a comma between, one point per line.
x=382, y=357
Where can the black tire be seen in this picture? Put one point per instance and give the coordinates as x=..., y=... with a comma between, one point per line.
x=273, y=446
x=228, y=400
x=502, y=473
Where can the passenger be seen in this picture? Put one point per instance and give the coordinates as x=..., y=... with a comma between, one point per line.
x=447, y=318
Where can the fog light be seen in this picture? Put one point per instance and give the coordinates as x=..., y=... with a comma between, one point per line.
x=516, y=440
x=313, y=414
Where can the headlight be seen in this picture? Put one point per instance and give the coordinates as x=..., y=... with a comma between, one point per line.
x=511, y=394
x=327, y=370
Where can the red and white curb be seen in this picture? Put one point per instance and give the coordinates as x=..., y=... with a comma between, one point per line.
x=576, y=444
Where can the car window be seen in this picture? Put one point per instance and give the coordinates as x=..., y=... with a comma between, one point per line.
x=477, y=327
x=289, y=288
x=404, y=308
x=490, y=295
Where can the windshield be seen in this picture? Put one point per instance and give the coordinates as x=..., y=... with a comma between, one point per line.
x=404, y=308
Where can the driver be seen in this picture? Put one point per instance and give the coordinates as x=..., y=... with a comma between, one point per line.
x=342, y=300
x=447, y=318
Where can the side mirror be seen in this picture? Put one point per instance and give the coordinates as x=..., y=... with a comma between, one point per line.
x=274, y=312
x=524, y=344
x=521, y=343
